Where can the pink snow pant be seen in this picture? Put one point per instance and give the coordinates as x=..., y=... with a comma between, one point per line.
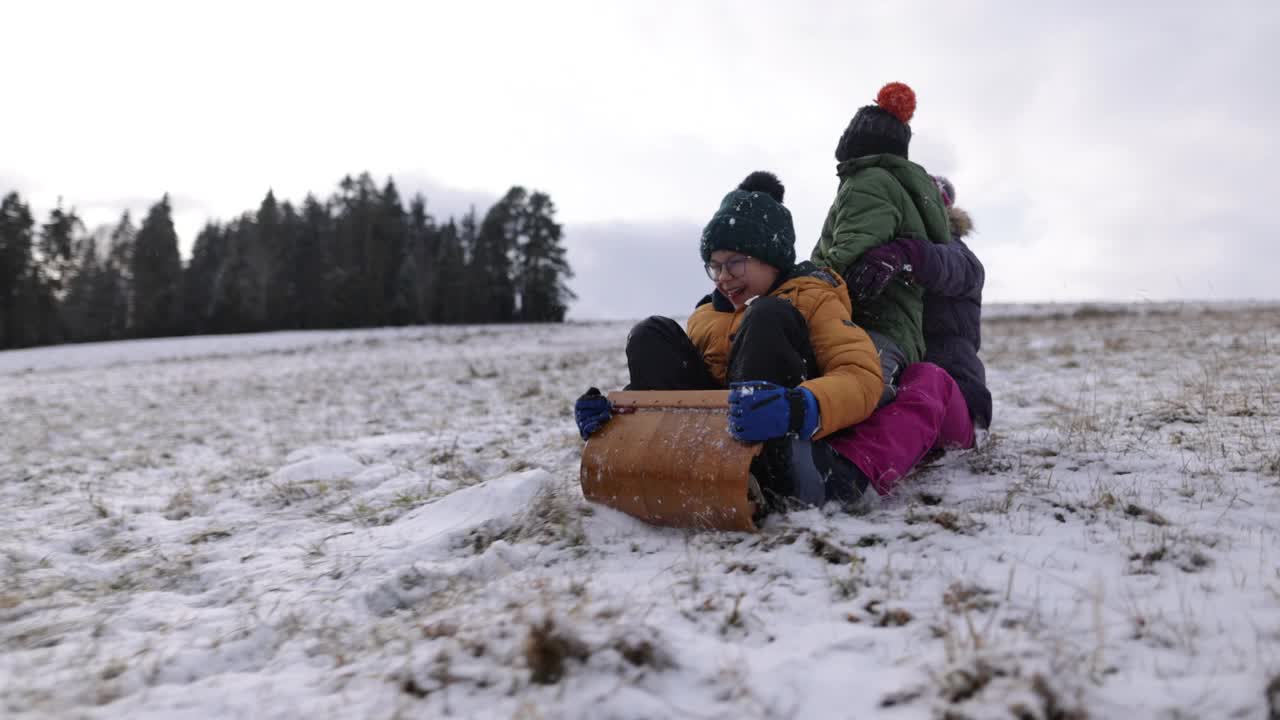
x=929, y=412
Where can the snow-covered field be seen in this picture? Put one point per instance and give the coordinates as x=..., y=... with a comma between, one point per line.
x=387, y=523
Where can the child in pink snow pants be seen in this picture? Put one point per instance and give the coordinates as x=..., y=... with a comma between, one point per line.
x=929, y=412
x=942, y=400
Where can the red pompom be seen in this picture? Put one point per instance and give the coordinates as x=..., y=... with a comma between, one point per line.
x=898, y=99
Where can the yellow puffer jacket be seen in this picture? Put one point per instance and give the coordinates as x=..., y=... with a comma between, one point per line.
x=850, y=382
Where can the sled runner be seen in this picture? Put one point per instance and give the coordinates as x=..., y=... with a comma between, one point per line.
x=666, y=457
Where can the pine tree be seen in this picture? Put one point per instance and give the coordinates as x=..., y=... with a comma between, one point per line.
x=449, y=304
x=423, y=240
x=283, y=298
x=15, y=263
x=492, y=260
x=263, y=246
x=93, y=297
x=406, y=296
x=157, y=273
x=358, y=283
x=542, y=266
x=43, y=287
x=37, y=310
x=316, y=267
x=238, y=299
x=56, y=250
x=200, y=277
x=119, y=274
x=389, y=252
x=76, y=307
x=469, y=285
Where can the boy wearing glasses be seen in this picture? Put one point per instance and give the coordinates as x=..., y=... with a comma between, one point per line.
x=779, y=335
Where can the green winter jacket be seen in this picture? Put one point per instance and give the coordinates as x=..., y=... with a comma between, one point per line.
x=882, y=197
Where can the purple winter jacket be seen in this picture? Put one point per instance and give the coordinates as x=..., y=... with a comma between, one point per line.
x=952, y=277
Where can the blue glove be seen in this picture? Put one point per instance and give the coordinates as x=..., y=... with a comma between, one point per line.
x=591, y=411
x=760, y=410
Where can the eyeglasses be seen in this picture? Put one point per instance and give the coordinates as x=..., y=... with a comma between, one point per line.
x=737, y=267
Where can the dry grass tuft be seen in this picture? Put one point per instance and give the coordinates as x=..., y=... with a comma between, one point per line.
x=990, y=458
x=962, y=597
x=1137, y=511
x=824, y=548
x=643, y=653
x=1051, y=705
x=548, y=647
x=984, y=678
x=1271, y=465
x=959, y=523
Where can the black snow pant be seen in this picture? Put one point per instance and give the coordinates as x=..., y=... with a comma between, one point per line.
x=772, y=344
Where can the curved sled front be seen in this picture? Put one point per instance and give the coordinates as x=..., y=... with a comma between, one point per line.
x=666, y=457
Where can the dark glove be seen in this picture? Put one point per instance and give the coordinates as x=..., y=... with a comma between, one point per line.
x=875, y=269
x=760, y=411
x=914, y=251
x=591, y=412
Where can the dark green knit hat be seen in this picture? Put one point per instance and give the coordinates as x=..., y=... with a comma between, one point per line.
x=753, y=221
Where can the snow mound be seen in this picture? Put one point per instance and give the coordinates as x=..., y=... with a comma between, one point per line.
x=426, y=561
x=433, y=528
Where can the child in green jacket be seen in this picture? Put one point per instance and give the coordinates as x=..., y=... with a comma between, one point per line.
x=883, y=196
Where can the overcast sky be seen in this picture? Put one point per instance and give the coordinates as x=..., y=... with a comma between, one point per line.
x=1104, y=152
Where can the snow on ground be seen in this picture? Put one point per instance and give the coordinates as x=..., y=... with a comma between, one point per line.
x=388, y=523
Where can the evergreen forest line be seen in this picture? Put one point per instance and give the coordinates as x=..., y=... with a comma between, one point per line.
x=358, y=259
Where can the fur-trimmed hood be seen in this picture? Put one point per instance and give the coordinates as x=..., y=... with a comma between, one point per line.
x=961, y=223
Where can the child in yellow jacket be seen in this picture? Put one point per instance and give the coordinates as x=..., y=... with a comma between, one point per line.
x=777, y=334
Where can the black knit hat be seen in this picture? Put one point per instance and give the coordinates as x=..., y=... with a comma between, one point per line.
x=880, y=128
x=753, y=221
